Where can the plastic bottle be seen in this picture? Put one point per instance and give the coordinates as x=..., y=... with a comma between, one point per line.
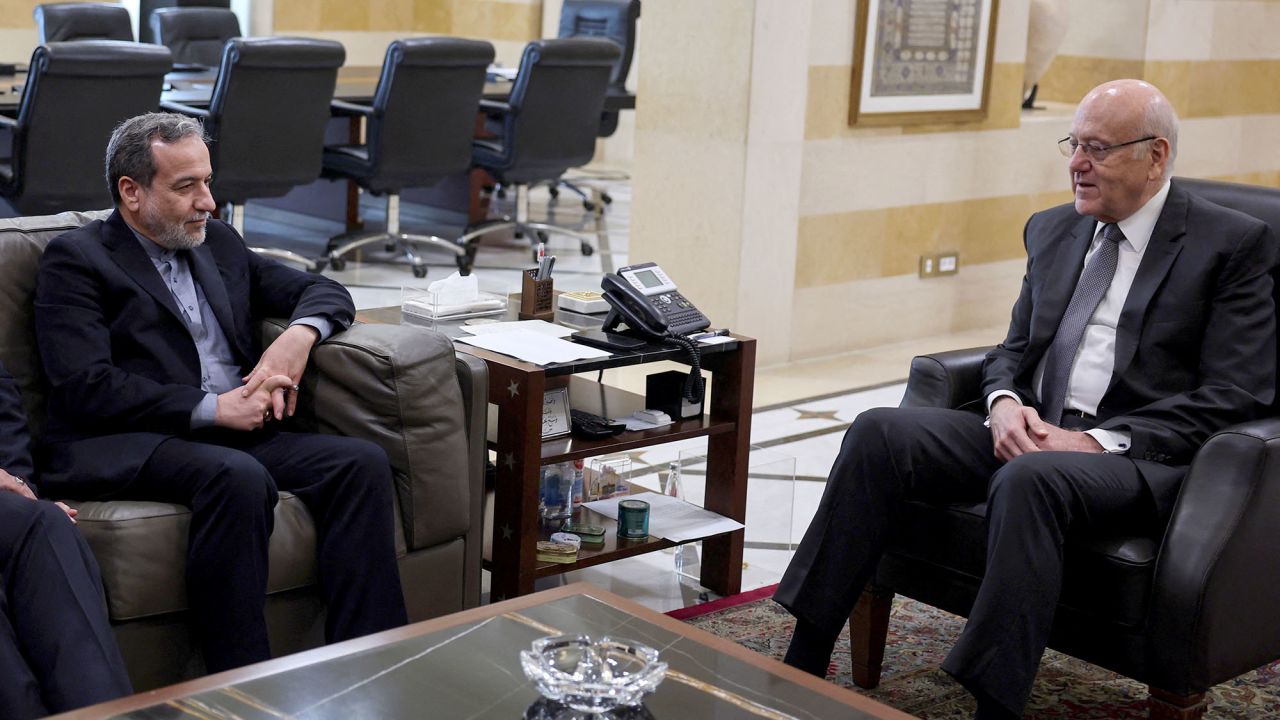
x=686, y=554
x=578, y=474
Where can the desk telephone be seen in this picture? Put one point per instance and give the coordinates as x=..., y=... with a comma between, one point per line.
x=645, y=298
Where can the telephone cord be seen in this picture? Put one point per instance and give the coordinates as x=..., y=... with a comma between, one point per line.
x=694, y=384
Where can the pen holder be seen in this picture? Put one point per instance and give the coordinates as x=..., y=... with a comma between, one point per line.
x=536, y=298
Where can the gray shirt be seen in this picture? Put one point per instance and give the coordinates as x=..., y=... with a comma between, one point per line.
x=219, y=371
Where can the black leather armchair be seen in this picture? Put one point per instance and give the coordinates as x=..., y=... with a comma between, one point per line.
x=195, y=35
x=75, y=94
x=417, y=132
x=1180, y=608
x=548, y=125
x=72, y=21
x=266, y=120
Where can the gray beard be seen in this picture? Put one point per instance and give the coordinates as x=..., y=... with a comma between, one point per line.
x=173, y=237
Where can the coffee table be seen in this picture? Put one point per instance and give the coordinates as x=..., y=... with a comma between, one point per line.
x=467, y=665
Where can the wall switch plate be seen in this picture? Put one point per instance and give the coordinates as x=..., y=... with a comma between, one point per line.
x=948, y=263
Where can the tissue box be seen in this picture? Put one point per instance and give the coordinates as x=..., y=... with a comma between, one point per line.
x=454, y=298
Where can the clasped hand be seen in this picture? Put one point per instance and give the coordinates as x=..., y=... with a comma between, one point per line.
x=9, y=483
x=1018, y=429
x=286, y=357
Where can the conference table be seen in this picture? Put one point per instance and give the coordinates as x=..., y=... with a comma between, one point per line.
x=357, y=84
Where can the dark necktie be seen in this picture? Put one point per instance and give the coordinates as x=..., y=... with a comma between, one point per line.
x=1093, y=284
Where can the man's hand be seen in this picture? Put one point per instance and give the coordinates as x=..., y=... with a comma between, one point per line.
x=286, y=356
x=239, y=411
x=1059, y=439
x=9, y=483
x=70, y=511
x=1015, y=428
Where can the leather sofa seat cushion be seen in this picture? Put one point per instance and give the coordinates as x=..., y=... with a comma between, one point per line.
x=955, y=536
x=141, y=550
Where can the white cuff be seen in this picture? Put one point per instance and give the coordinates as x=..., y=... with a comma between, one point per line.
x=1115, y=442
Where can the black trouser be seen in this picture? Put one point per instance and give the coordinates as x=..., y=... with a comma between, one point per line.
x=57, y=652
x=936, y=455
x=229, y=480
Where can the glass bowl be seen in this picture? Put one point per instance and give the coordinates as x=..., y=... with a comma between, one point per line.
x=592, y=676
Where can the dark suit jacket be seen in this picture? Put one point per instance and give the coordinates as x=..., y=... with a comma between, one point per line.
x=122, y=367
x=15, y=437
x=1196, y=341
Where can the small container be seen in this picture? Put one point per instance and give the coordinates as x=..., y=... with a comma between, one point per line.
x=537, y=298
x=556, y=492
x=578, y=477
x=633, y=519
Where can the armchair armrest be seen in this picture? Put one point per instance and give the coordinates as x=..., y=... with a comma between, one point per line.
x=8, y=122
x=402, y=388
x=185, y=109
x=1217, y=582
x=342, y=108
x=946, y=379
x=494, y=108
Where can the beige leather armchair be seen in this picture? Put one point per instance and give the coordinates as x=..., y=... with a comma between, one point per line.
x=400, y=387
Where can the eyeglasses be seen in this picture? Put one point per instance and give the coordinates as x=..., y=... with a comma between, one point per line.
x=1093, y=151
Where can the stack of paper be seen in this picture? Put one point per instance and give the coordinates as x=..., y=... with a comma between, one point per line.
x=672, y=518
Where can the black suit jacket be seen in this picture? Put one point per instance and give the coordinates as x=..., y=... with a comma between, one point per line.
x=1196, y=341
x=15, y=437
x=123, y=369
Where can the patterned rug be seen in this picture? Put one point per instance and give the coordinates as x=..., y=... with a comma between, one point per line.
x=920, y=636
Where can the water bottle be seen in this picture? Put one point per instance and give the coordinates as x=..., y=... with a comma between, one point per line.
x=686, y=559
x=578, y=489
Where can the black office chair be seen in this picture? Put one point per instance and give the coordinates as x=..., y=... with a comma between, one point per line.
x=549, y=125
x=266, y=121
x=146, y=7
x=75, y=21
x=195, y=35
x=612, y=20
x=417, y=132
x=75, y=95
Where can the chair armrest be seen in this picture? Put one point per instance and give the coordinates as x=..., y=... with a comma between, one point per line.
x=343, y=108
x=494, y=107
x=946, y=379
x=398, y=386
x=1217, y=582
x=8, y=122
x=184, y=109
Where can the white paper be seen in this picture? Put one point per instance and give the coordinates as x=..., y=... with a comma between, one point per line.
x=671, y=518
x=539, y=326
x=716, y=340
x=533, y=347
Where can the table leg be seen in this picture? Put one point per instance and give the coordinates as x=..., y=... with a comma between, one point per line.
x=518, y=395
x=727, y=459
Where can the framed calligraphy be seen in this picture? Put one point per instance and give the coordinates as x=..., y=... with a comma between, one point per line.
x=921, y=61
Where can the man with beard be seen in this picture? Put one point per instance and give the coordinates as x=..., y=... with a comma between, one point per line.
x=146, y=324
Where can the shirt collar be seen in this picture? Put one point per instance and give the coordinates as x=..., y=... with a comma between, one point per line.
x=154, y=251
x=1138, y=227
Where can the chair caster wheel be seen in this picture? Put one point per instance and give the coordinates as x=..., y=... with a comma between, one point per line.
x=542, y=236
x=587, y=250
x=319, y=266
x=588, y=206
x=555, y=192
x=338, y=264
x=389, y=247
x=419, y=271
x=606, y=198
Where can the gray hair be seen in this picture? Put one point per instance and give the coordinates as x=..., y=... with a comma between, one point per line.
x=1160, y=120
x=129, y=150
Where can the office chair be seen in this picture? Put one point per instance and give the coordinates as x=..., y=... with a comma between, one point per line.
x=266, y=121
x=549, y=124
x=417, y=131
x=75, y=95
x=146, y=7
x=74, y=21
x=612, y=20
x=195, y=35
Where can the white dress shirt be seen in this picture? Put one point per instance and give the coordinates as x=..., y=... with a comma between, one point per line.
x=1096, y=356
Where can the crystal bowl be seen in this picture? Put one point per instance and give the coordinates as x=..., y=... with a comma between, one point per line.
x=592, y=676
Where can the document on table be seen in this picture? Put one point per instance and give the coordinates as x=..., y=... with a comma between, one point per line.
x=671, y=518
x=533, y=347
x=542, y=327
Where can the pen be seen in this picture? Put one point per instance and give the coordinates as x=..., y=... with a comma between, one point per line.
x=551, y=264
x=542, y=252
x=709, y=334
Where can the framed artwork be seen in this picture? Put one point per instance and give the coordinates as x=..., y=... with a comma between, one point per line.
x=555, y=413
x=921, y=61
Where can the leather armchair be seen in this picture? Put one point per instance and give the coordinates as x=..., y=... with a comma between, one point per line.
x=195, y=35
x=399, y=386
x=1180, y=608
x=74, y=21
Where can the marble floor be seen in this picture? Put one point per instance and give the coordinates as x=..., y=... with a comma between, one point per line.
x=801, y=409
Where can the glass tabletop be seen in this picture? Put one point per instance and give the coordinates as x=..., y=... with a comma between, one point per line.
x=472, y=670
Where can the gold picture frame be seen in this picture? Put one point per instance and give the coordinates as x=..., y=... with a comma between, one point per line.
x=922, y=61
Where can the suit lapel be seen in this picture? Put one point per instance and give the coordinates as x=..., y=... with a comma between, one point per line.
x=205, y=269
x=1060, y=285
x=1162, y=249
x=129, y=255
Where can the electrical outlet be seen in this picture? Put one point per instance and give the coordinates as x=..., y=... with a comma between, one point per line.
x=928, y=266
x=948, y=263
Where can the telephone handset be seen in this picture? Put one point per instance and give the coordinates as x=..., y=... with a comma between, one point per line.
x=645, y=299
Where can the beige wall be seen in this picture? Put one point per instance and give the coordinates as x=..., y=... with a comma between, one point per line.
x=791, y=226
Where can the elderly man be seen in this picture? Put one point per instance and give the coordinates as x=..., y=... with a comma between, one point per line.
x=1145, y=323
x=160, y=391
